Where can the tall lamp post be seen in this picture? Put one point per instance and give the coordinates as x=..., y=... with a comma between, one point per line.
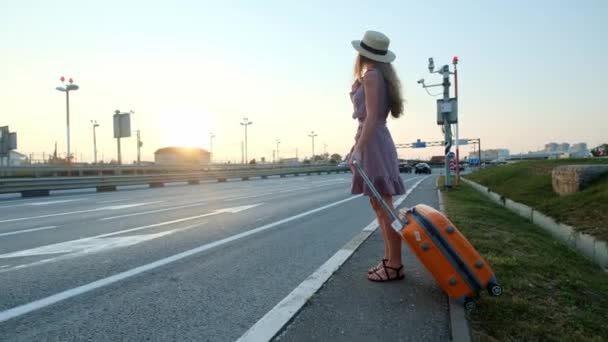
x=313, y=135
x=95, y=125
x=211, y=136
x=278, y=142
x=66, y=89
x=246, y=123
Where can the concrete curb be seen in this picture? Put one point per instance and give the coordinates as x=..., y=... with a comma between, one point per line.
x=587, y=245
x=459, y=325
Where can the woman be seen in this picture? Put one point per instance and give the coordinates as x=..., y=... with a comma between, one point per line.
x=376, y=92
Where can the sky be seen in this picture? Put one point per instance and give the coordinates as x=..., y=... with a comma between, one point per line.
x=530, y=73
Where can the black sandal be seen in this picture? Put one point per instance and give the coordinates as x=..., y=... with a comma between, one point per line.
x=378, y=267
x=387, y=276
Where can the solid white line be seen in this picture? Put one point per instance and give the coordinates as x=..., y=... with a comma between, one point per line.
x=269, y=325
x=112, y=201
x=27, y=230
x=116, y=207
x=44, y=302
x=40, y=203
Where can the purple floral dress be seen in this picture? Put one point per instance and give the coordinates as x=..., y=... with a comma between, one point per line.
x=378, y=153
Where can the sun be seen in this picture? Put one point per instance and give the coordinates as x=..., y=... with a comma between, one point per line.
x=185, y=128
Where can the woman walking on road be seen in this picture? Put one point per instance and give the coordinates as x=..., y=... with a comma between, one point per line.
x=375, y=93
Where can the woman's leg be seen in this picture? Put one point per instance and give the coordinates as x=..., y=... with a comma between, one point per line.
x=378, y=211
x=392, y=243
x=394, y=239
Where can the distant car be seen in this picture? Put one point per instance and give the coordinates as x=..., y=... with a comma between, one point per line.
x=423, y=168
x=405, y=167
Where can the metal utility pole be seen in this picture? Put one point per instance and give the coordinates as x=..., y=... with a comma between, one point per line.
x=211, y=136
x=455, y=62
x=140, y=144
x=242, y=153
x=324, y=148
x=246, y=123
x=447, y=112
x=312, y=135
x=95, y=125
x=278, y=142
x=66, y=89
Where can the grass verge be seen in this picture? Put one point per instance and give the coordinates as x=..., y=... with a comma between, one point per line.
x=529, y=182
x=551, y=292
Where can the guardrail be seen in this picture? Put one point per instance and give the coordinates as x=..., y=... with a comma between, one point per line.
x=29, y=187
x=116, y=170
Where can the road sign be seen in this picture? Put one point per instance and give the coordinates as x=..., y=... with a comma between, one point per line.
x=451, y=155
x=419, y=144
x=453, y=165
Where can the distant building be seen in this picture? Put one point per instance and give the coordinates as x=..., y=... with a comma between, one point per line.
x=551, y=147
x=437, y=160
x=182, y=156
x=579, y=150
x=564, y=147
x=14, y=159
x=490, y=155
x=289, y=161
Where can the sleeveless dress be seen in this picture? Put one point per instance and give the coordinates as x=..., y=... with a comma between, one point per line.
x=378, y=155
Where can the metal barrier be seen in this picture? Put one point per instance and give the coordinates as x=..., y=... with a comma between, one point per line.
x=29, y=187
x=116, y=170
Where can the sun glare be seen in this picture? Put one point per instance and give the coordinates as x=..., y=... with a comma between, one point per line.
x=185, y=129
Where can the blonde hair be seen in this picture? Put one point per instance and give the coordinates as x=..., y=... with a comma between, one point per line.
x=393, y=84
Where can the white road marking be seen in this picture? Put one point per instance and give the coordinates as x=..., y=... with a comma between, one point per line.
x=113, y=201
x=115, y=207
x=338, y=180
x=85, y=246
x=27, y=230
x=44, y=302
x=72, y=249
x=273, y=321
x=154, y=211
x=41, y=203
x=68, y=246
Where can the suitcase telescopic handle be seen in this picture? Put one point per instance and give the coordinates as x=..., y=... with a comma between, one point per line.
x=398, y=221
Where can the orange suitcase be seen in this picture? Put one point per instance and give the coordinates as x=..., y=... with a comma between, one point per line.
x=450, y=258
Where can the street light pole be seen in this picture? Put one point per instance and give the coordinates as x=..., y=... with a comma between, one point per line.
x=139, y=145
x=211, y=136
x=313, y=135
x=95, y=125
x=70, y=87
x=246, y=123
x=278, y=142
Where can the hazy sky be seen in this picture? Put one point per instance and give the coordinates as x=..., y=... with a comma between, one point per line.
x=531, y=72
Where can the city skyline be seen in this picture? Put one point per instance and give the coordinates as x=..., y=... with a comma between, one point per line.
x=193, y=68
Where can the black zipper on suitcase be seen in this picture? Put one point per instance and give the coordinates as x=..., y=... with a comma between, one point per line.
x=453, y=257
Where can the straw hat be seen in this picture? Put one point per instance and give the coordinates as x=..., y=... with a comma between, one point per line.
x=375, y=47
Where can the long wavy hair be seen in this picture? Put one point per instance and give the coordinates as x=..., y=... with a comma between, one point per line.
x=393, y=84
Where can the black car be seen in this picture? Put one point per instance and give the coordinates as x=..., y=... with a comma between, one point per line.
x=405, y=167
x=423, y=168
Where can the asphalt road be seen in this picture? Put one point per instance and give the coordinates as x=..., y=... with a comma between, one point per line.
x=189, y=262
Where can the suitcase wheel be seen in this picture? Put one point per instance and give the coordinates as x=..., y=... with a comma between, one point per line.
x=494, y=289
x=469, y=304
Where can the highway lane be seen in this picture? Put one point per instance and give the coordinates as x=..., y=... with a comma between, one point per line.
x=250, y=244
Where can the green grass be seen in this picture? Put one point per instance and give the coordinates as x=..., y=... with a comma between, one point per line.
x=550, y=292
x=529, y=182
